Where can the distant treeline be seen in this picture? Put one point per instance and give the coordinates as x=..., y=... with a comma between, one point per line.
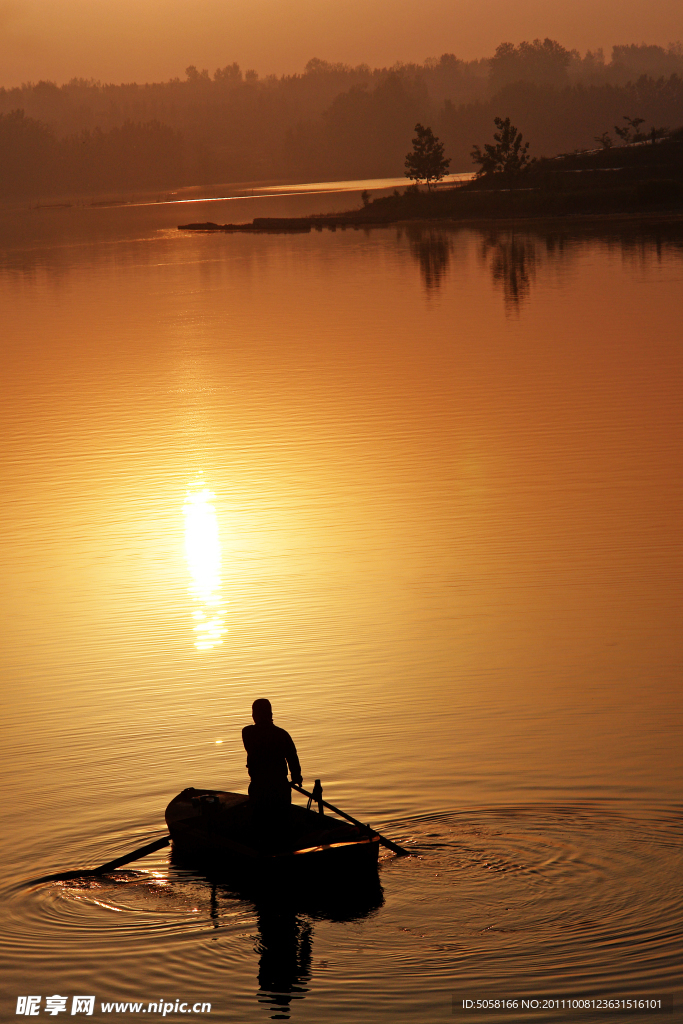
x=34, y=162
x=331, y=121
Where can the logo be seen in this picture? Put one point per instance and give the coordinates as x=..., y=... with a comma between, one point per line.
x=29, y=1006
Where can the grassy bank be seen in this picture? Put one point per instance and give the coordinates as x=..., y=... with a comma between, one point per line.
x=624, y=182
x=627, y=180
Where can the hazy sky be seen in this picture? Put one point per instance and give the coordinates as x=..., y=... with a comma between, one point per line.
x=153, y=40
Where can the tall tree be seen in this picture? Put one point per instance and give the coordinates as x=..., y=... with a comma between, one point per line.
x=508, y=155
x=426, y=162
x=545, y=63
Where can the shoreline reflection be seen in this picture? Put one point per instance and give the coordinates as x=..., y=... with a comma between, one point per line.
x=511, y=259
x=514, y=255
x=432, y=248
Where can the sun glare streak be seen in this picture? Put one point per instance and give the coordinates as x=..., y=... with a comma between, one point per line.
x=312, y=188
x=203, y=552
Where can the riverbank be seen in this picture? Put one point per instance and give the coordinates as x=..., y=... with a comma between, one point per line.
x=344, y=221
x=632, y=182
x=661, y=201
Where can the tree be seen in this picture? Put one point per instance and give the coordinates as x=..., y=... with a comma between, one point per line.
x=197, y=76
x=426, y=162
x=28, y=154
x=508, y=156
x=630, y=132
x=231, y=74
x=605, y=140
x=657, y=133
x=545, y=63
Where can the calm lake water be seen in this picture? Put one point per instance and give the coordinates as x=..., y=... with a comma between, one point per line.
x=420, y=487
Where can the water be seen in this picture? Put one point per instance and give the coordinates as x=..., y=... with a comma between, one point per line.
x=421, y=487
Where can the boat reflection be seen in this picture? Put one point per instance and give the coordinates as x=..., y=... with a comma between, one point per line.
x=285, y=922
x=203, y=553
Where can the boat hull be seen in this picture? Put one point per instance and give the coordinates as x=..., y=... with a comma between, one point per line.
x=219, y=830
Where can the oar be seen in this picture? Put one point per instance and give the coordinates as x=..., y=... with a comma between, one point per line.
x=342, y=814
x=111, y=865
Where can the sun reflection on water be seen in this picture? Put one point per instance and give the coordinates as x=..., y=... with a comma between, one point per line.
x=203, y=552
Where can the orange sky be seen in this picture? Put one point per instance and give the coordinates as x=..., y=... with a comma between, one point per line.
x=153, y=40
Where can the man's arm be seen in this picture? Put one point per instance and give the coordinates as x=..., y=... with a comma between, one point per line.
x=293, y=760
x=245, y=740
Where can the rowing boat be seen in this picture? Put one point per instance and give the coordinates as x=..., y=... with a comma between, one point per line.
x=212, y=826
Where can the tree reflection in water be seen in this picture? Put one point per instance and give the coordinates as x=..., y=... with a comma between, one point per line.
x=511, y=257
x=432, y=248
x=285, y=917
x=512, y=260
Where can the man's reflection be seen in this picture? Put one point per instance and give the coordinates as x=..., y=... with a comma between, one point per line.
x=285, y=919
x=285, y=944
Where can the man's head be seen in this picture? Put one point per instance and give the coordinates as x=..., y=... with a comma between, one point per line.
x=261, y=711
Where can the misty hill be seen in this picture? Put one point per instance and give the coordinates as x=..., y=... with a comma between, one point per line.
x=330, y=122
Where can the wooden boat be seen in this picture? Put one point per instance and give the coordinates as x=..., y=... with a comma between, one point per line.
x=211, y=826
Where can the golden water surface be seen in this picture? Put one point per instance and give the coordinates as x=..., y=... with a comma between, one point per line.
x=422, y=489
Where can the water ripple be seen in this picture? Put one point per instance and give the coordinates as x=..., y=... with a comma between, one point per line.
x=576, y=899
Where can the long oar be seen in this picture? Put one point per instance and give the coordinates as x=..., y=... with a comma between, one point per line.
x=342, y=814
x=111, y=865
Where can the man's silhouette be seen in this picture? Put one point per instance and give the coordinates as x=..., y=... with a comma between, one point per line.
x=270, y=751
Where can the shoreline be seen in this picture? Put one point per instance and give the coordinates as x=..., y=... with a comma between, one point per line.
x=343, y=221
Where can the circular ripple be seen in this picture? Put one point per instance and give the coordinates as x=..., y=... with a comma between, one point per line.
x=583, y=897
x=552, y=900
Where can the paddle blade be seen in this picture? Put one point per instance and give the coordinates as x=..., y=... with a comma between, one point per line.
x=111, y=865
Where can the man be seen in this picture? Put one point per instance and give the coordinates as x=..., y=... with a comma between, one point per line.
x=270, y=751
